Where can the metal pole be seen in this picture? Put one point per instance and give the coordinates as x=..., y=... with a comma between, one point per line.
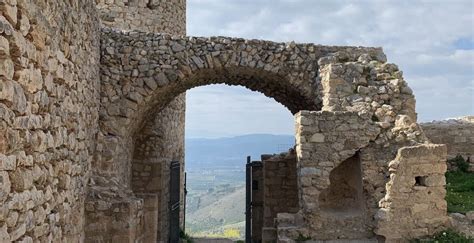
x=184, y=203
x=248, y=201
x=174, y=202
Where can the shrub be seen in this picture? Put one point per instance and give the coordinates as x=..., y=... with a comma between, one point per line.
x=446, y=236
x=460, y=163
x=302, y=238
x=185, y=237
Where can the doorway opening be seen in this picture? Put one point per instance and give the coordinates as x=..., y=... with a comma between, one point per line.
x=224, y=125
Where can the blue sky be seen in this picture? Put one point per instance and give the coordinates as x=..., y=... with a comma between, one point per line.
x=431, y=41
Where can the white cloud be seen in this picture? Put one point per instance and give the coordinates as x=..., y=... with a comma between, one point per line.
x=419, y=36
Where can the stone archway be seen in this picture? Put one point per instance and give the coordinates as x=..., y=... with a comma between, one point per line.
x=142, y=72
x=346, y=100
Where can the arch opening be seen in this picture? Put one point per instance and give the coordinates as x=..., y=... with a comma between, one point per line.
x=291, y=95
x=150, y=166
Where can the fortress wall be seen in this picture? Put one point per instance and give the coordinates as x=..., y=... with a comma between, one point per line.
x=121, y=166
x=49, y=56
x=457, y=134
x=145, y=15
x=150, y=16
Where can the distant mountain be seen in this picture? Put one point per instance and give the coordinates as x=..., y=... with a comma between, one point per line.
x=216, y=179
x=232, y=151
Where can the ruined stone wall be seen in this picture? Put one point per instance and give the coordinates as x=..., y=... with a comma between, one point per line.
x=280, y=191
x=142, y=72
x=368, y=111
x=457, y=134
x=326, y=141
x=49, y=57
x=280, y=186
x=55, y=138
x=368, y=115
x=147, y=15
x=414, y=205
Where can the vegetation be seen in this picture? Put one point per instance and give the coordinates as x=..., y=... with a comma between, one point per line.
x=302, y=238
x=213, y=213
x=460, y=191
x=446, y=236
x=227, y=233
x=215, y=203
x=185, y=237
x=459, y=162
x=460, y=187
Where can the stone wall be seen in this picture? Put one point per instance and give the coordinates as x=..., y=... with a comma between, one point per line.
x=114, y=214
x=63, y=133
x=368, y=112
x=140, y=162
x=280, y=186
x=147, y=15
x=326, y=144
x=143, y=72
x=152, y=16
x=139, y=80
x=156, y=147
x=414, y=204
x=49, y=59
x=457, y=134
x=280, y=191
x=368, y=115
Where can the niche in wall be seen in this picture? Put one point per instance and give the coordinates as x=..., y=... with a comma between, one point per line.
x=345, y=193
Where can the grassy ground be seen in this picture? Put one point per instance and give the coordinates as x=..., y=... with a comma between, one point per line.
x=460, y=199
x=460, y=191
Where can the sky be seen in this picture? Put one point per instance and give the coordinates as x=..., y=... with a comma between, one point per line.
x=431, y=41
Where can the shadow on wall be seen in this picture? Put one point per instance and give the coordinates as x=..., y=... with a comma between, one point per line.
x=344, y=196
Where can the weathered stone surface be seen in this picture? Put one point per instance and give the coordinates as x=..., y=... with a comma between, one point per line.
x=83, y=107
x=4, y=236
x=48, y=86
x=4, y=47
x=7, y=162
x=5, y=186
x=280, y=194
x=21, y=179
x=413, y=193
x=457, y=134
x=30, y=79
x=6, y=68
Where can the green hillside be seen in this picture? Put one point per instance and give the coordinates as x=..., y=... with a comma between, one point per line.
x=220, y=211
x=215, y=205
